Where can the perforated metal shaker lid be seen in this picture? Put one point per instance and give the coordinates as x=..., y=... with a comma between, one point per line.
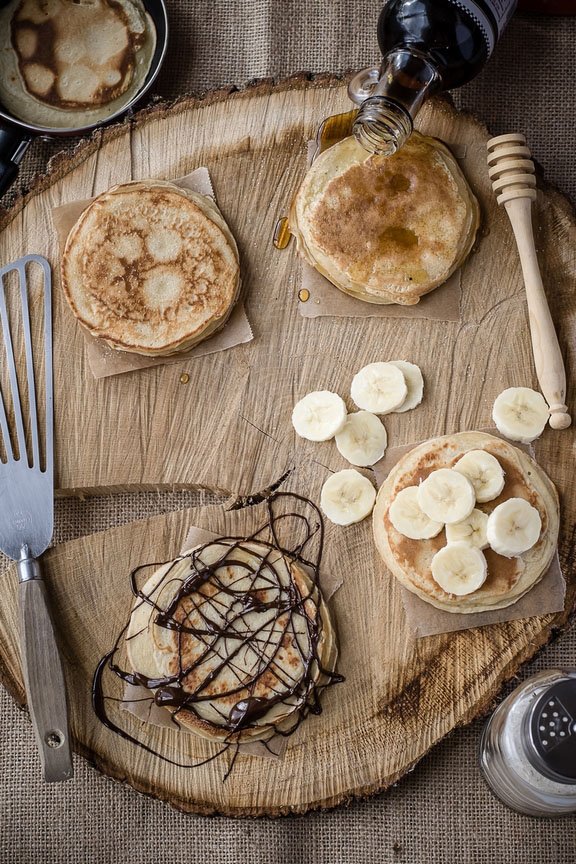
x=551, y=745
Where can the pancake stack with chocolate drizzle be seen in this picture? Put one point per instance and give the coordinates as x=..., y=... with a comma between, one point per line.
x=233, y=638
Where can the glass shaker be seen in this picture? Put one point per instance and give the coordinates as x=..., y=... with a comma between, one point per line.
x=528, y=747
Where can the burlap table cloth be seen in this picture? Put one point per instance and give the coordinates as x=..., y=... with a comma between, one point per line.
x=441, y=812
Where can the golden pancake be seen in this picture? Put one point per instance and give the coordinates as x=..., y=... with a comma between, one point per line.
x=65, y=64
x=508, y=578
x=151, y=268
x=234, y=639
x=385, y=229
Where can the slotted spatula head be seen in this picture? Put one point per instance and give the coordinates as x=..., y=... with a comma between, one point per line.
x=26, y=473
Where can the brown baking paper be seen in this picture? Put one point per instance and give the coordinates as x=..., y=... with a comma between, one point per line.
x=139, y=703
x=104, y=360
x=441, y=304
x=426, y=620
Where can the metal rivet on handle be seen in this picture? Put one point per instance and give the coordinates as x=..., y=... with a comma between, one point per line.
x=54, y=738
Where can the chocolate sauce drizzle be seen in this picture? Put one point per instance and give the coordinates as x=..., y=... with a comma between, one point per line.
x=241, y=501
x=212, y=610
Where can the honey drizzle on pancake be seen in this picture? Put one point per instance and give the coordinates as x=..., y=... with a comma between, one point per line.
x=289, y=600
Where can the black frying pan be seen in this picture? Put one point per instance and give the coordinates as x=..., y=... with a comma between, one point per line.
x=16, y=135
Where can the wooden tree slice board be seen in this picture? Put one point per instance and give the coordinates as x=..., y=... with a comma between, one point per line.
x=229, y=429
x=239, y=401
x=400, y=696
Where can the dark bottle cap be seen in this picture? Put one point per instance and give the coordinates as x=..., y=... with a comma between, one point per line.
x=552, y=733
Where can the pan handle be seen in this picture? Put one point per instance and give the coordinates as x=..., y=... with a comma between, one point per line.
x=13, y=146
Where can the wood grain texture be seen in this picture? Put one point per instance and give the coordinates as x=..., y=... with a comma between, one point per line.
x=229, y=429
x=44, y=678
x=400, y=695
x=144, y=429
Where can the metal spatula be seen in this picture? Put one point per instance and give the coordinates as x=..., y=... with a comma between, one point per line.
x=27, y=512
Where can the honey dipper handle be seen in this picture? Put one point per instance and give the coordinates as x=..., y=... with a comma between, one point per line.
x=545, y=348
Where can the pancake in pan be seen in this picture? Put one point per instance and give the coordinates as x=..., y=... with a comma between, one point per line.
x=385, y=229
x=242, y=644
x=508, y=578
x=151, y=268
x=69, y=63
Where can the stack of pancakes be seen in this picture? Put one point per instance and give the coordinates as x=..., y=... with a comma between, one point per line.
x=70, y=63
x=234, y=638
x=385, y=229
x=508, y=579
x=151, y=268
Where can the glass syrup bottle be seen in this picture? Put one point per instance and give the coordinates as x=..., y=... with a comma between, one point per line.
x=427, y=46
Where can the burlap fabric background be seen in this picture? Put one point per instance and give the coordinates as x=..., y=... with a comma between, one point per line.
x=442, y=812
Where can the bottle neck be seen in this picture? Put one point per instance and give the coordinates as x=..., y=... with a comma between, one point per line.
x=386, y=118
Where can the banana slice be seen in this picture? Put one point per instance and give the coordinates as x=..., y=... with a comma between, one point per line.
x=414, y=383
x=446, y=496
x=319, y=415
x=379, y=387
x=471, y=530
x=513, y=527
x=520, y=414
x=362, y=440
x=347, y=497
x=408, y=518
x=459, y=568
x=484, y=472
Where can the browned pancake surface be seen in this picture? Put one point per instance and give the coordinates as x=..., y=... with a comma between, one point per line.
x=150, y=274
x=385, y=229
x=388, y=208
x=149, y=269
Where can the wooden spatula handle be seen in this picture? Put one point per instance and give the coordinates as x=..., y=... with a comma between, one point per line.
x=545, y=348
x=43, y=675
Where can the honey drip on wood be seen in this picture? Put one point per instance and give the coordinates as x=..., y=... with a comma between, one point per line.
x=282, y=233
x=334, y=129
x=331, y=130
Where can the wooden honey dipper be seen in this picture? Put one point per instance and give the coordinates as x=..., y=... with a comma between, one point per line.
x=511, y=171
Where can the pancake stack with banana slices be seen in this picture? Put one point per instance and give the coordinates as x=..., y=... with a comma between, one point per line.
x=385, y=229
x=71, y=63
x=151, y=268
x=234, y=639
x=467, y=522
